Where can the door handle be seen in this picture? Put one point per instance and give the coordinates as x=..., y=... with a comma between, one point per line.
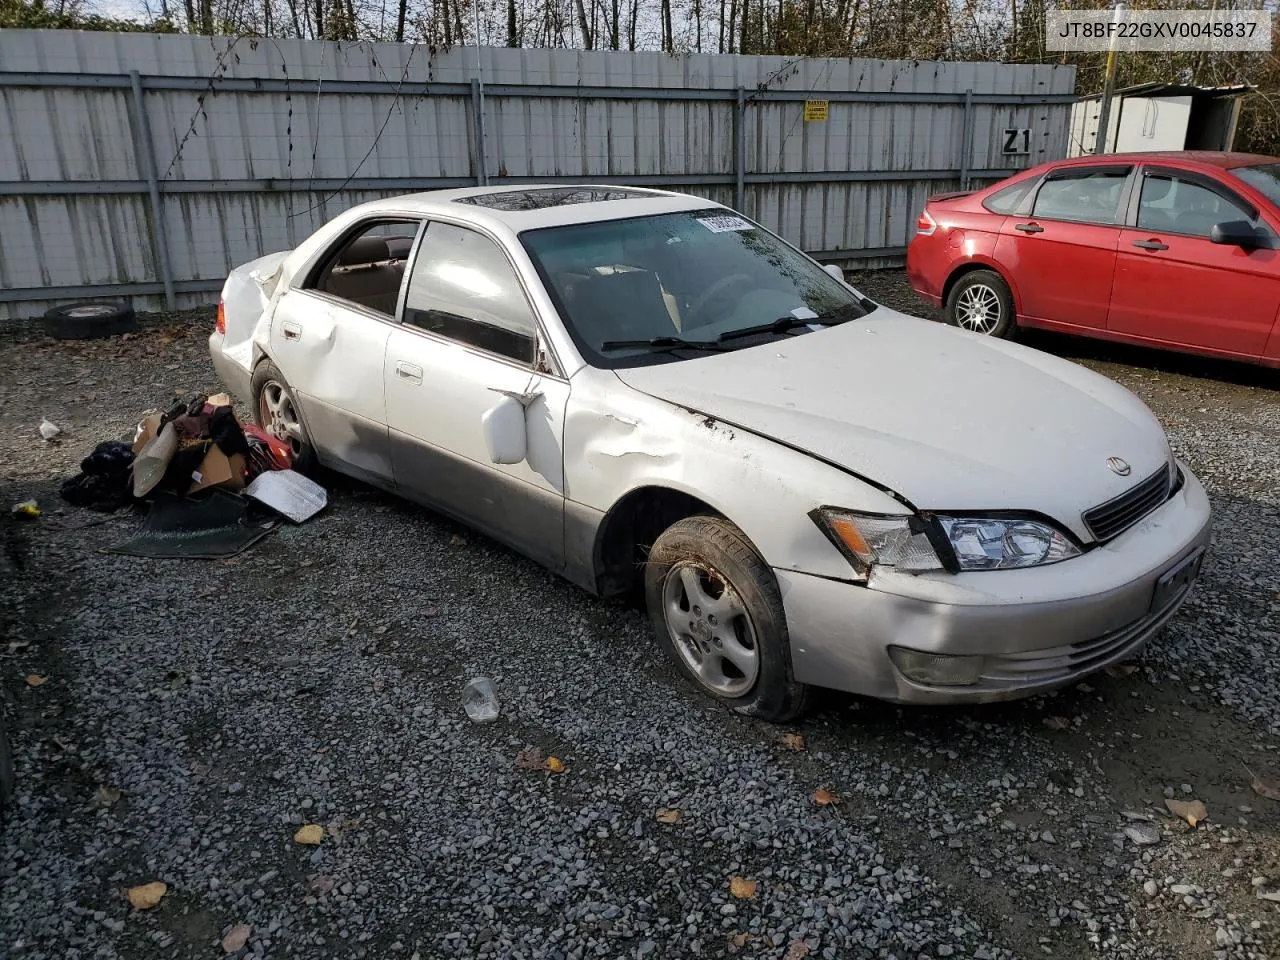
x=1029, y=227
x=408, y=371
x=1151, y=245
x=291, y=330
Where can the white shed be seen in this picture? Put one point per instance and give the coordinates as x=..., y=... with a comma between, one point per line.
x=1159, y=116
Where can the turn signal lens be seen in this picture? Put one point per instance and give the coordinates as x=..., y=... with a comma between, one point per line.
x=868, y=539
x=221, y=324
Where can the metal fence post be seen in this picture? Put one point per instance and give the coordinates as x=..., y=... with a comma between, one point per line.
x=740, y=150
x=147, y=160
x=966, y=140
x=477, y=108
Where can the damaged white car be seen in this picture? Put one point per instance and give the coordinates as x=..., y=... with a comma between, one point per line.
x=645, y=389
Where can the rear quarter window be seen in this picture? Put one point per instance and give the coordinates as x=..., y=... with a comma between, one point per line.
x=1007, y=200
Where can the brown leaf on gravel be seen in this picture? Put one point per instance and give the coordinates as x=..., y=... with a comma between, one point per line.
x=458, y=541
x=740, y=940
x=1192, y=811
x=742, y=888
x=555, y=765
x=106, y=796
x=311, y=834
x=1265, y=788
x=1121, y=669
x=148, y=895
x=667, y=815
x=531, y=758
x=824, y=797
x=792, y=741
x=796, y=950
x=236, y=937
x=1056, y=723
x=35, y=680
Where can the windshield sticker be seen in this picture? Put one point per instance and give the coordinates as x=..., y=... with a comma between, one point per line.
x=724, y=224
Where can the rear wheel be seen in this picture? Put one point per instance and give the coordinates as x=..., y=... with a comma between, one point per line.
x=276, y=411
x=716, y=610
x=981, y=303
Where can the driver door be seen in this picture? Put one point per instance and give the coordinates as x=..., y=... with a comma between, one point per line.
x=468, y=337
x=1174, y=285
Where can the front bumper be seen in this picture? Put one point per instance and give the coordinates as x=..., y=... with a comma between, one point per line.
x=1035, y=629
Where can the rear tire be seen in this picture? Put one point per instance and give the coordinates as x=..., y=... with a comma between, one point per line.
x=276, y=410
x=717, y=612
x=980, y=302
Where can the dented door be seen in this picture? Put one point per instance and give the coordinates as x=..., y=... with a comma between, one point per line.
x=332, y=356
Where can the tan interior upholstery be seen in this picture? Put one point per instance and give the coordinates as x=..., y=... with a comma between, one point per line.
x=367, y=273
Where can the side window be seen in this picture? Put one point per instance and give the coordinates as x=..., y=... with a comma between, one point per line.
x=463, y=287
x=367, y=267
x=1006, y=201
x=1170, y=204
x=1089, y=196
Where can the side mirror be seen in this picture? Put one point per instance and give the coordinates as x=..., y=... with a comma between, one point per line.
x=1235, y=233
x=835, y=271
x=504, y=431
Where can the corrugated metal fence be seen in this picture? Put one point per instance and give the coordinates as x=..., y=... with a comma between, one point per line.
x=148, y=166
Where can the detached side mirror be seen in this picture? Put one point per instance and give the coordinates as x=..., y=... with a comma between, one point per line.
x=1235, y=233
x=503, y=427
x=834, y=271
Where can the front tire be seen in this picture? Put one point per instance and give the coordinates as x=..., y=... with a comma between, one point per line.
x=717, y=612
x=275, y=410
x=980, y=302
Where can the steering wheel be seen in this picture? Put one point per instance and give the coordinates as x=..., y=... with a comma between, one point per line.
x=711, y=294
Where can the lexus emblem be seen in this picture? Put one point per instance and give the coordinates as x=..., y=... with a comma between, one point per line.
x=1119, y=467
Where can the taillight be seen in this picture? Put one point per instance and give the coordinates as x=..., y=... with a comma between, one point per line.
x=925, y=224
x=221, y=324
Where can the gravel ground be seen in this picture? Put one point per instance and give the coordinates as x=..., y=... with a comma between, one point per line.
x=195, y=715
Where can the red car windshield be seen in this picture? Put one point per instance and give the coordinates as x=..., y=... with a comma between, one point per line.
x=1263, y=177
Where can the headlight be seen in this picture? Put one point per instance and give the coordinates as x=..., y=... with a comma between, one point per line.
x=976, y=543
x=866, y=539
x=988, y=544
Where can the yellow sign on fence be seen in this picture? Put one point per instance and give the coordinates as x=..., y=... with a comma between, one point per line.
x=815, y=111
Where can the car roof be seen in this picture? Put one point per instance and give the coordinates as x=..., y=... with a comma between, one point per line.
x=531, y=206
x=1194, y=158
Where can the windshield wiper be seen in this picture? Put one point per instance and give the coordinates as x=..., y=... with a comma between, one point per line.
x=782, y=325
x=662, y=343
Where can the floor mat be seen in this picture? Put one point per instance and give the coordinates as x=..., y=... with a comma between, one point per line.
x=210, y=527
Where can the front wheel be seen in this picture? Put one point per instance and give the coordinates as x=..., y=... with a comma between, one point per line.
x=717, y=612
x=981, y=303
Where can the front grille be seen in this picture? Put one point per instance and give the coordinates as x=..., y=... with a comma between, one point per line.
x=1110, y=519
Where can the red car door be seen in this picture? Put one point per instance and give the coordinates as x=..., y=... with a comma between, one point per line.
x=1063, y=255
x=1175, y=286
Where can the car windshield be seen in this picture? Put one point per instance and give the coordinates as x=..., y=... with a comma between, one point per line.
x=681, y=285
x=1263, y=177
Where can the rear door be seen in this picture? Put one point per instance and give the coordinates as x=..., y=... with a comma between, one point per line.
x=329, y=338
x=1173, y=285
x=1062, y=256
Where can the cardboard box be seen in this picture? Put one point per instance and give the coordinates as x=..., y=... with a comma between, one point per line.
x=218, y=470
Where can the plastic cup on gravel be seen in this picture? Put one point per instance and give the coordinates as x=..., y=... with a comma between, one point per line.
x=480, y=700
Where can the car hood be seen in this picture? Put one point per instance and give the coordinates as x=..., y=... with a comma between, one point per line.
x=947, y=419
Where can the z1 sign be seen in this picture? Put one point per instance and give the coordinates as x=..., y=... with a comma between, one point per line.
x=1016, y=141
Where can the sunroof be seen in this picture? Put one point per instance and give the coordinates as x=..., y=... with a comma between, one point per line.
x=546, y=197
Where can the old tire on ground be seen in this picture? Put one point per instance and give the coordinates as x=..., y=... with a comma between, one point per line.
x=717, y=612
x=276, y=411
x=980, y=302
x=89, y=319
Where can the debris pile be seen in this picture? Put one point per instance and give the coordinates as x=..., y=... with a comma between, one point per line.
x=212, y=485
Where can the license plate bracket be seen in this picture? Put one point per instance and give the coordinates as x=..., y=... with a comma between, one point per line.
x=1176, y=580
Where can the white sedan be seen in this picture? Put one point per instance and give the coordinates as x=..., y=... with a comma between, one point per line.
x=645, y=389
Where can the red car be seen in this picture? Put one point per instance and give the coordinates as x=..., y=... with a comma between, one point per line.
x=1173, y=250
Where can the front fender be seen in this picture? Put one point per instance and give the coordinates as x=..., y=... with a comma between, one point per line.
x=618, y=440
